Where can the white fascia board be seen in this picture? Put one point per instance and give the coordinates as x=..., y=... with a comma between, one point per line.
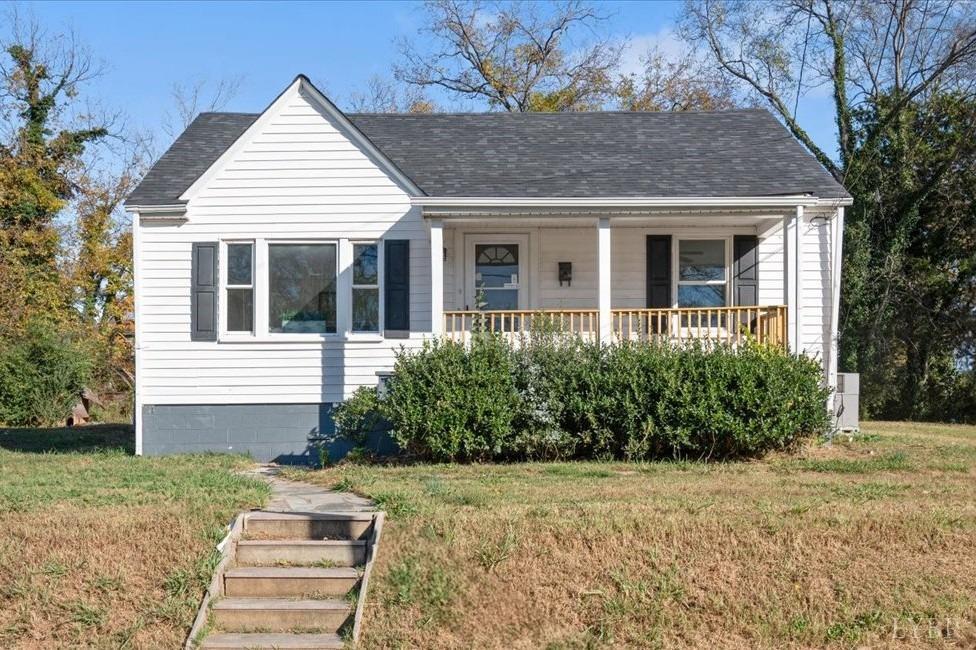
x=301, y=83
x=613, y=202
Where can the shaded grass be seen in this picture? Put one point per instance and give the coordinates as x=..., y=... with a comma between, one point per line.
x=860, y=543
x=99, y=548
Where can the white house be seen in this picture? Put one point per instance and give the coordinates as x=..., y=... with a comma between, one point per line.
x=282, y=258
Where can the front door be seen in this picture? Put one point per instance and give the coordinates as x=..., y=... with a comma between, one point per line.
x=496, y=272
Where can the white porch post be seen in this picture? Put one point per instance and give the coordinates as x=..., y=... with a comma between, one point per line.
x=436, y=276
x=791, y=284
x=603, y=282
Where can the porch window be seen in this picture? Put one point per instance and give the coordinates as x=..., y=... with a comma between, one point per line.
x=240, y=287
x=302, y=288
x=703, y=276
x=365, y=288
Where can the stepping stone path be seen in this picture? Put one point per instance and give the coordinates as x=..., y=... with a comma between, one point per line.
x=293, y=580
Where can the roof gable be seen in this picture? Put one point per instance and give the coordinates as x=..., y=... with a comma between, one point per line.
x=212, y=139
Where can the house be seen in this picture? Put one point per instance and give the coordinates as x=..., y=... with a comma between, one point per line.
x=282, y=258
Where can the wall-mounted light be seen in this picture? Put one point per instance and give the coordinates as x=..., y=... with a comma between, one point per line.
x=566, y=273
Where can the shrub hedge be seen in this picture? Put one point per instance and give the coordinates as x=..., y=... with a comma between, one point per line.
x=557, y=398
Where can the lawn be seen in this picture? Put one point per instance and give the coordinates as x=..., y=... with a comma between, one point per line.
x=867, y=543
x=99, y=548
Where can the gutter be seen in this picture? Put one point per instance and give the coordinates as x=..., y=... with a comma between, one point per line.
x=434, y=205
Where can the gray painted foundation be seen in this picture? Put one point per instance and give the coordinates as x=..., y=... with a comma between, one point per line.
x=283, y=433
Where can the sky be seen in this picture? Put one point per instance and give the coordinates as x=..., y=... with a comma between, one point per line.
x=146, y=47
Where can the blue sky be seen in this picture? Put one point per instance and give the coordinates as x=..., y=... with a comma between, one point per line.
x=148, y=46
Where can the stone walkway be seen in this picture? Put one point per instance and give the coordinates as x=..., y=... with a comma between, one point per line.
x=292, y=496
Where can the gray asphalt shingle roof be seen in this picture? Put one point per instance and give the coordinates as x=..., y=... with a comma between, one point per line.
x=609, y=154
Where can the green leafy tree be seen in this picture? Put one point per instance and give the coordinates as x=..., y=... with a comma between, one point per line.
x=900, y=75
x=39, y=161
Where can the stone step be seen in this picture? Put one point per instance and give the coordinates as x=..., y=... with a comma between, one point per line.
x=270, y=552
x=315, y=525
x=280, y=641
x=279, y=614
x=288, y=581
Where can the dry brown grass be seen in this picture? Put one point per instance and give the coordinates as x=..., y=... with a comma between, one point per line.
x=870, y=543
x=102, y=549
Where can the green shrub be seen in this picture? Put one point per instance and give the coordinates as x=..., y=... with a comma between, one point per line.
x=42, y=373
x=359, y=415
x=561, y=398
x=451, y=403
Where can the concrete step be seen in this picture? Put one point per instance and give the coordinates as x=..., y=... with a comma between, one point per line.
x=316, y=525
x=270, y=552
x=279, y=614
x=288, y=581
x=278, y=641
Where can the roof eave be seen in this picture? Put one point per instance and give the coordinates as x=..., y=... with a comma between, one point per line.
x=436, y=205
x=160, y=212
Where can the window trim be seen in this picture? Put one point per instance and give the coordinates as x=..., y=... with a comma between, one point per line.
x=676, y=267
x=378, y=243
x=224, y=273
x=261, y=279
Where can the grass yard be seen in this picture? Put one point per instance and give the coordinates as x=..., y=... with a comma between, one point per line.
x=870, y=543
x=102, y=549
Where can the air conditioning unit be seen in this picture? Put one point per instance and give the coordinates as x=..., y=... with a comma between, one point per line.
x=846, y=401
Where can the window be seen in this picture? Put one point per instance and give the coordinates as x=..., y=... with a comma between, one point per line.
x=365, y=288
x=302, y=288
x=702, y=274
x=496, y=271
x=240, y=288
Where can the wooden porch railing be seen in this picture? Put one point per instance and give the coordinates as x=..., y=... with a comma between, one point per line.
x=730, y=325
x=458, y=325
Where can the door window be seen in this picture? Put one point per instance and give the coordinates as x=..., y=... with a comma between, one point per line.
x=496, y=279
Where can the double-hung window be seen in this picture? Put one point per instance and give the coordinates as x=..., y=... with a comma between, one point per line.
x=240, y=288
x=365, y=288
x=703, y=278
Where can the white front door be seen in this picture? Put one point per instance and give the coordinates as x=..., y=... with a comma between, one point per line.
x=496, y=272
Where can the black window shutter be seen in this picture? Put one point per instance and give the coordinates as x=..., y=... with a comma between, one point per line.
x=203, y=292
x=396, y=284
x=745, y=270
x=659, y=271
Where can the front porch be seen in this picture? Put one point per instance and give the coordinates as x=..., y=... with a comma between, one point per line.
x=680, y=273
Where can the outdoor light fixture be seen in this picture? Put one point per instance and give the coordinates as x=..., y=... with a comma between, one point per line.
x=566, y=273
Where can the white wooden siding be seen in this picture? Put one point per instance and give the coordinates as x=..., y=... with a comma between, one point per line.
x=300, y=177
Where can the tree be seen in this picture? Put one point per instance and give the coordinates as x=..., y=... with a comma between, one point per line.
x=385, y=95
x=683, y=83
x=40, y=157
x=516, y=57
x=900, y=75
x=194, y=97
